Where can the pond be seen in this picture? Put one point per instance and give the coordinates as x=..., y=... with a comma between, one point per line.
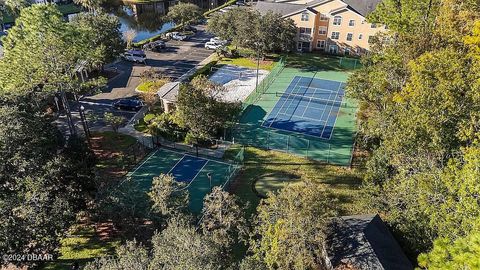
x=147, y=19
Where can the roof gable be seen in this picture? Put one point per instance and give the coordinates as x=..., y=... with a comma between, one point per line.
x=364, y=242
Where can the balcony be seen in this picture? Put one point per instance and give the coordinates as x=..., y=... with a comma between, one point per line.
x=304, y=37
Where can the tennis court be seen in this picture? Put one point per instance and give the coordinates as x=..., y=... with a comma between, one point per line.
x=303, y=112
x=199, y=174
x=308, y=106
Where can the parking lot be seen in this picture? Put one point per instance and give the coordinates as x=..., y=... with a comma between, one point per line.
x=178, y=58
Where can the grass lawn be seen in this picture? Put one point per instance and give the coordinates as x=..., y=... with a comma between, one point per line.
x=151, y=86
x=83, y=244
x=247, y=62
x=342, y=182
x=322, y=61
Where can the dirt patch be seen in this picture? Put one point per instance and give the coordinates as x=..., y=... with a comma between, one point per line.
x=117, y=154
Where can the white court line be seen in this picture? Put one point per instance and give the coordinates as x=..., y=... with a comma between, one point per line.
x=331, y=107
x=139, y=166
x=307, y=118
x=190, y=155
x=308, y=105
x=176, y=164
x=201, y=169
x=336, y=116
x=286, y=99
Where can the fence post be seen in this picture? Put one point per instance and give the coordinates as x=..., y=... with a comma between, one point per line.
x=329, y=149
x=288, y=143
x=308, y=146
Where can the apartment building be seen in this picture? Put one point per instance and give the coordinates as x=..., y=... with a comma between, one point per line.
x=332, y=26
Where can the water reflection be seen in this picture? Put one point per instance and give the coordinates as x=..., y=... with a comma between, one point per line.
x=146, y=18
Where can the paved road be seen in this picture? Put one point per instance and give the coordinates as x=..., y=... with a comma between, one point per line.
x=176, y=60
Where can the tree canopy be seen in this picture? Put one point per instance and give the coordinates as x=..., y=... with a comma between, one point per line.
x=184, y=13
x=290, y=227
x=247, y=28
x=419, y=98
x=201, y=110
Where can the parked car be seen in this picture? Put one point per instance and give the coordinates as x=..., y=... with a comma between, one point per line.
x=136, y=56
x=190, y=28
x=155, y=46
x=128, y=104
x=218, y=40
x=213, y=46
x=176, y=36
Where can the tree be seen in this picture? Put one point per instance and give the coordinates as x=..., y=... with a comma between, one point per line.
x=126, y=204
x=201, y=110
x=129, y=35
x=41, y=52
x=247, y=28
x=463, y=253
x=180, y=246
x=419, y=96
x=223, y=218
x=289, y=228
x=91, y=5
x=114, y=121
x=102, y=34
x=43, y=183
x=184, y=13
x=169, y=196
x=128, y=256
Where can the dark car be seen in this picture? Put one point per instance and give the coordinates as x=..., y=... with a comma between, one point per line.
x=156, y=46
x=190, y=28
x=128, y=104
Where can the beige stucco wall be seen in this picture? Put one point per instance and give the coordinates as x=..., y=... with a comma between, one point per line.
x=361, y=27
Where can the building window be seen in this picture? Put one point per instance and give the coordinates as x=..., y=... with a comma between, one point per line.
x=322, y=31
x=304, y=30
x=358, y=50
x=347, y=51
x=360, y=36
x=373, y=25
x=321, y=44
x=349, y=37
x=337, y=20
x=351, y=23
x=333, y=49
x=323, y=17
x=335, y=35
x=305, y=16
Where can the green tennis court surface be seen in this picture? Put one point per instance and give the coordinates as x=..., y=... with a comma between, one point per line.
x=192, y=170
x=336, y=149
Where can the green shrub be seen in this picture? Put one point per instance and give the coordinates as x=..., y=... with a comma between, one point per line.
x=205, y=70
x=151, y=86
x=148, y=117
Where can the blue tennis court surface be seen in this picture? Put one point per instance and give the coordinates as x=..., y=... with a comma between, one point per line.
x=308, y=106
x=198, y=173
x=188, y=168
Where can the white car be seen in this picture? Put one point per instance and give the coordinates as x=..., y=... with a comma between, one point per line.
x=136, y=56
x=219, y=41
x=213, y=46
x=176, y=36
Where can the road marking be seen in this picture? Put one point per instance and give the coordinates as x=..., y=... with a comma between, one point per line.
x=95, y=103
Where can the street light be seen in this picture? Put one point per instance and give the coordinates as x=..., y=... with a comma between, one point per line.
x=209, y=175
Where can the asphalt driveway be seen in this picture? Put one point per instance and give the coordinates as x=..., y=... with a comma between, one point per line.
x=176, y=60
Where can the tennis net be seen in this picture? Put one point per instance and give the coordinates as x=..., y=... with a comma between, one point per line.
x=316, y=100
